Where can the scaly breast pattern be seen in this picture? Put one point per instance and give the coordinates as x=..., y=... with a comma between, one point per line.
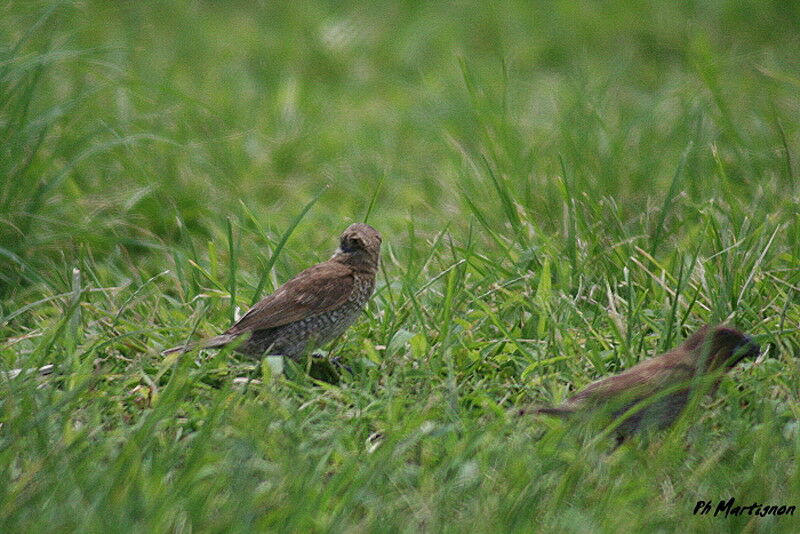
x=294, y=339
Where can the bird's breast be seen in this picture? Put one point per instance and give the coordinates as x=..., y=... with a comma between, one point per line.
x=363, y=286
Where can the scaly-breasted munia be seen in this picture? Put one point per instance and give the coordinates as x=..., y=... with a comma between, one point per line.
x=661, y=385
x=312, y=308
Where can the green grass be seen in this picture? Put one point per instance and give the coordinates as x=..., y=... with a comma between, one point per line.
x=563, y=188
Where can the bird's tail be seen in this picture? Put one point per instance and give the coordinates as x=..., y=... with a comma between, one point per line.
x=211, y=343
x=558, y=411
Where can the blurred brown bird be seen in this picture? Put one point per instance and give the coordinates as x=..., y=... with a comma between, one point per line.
x=312, y=308
x=661, y=384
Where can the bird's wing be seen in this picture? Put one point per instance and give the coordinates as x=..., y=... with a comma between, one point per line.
x=639, y=381
x=318, y=289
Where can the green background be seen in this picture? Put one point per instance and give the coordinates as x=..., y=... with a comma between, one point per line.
x=563, y=188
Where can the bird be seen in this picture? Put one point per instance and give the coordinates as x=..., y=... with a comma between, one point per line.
x=311, y=309
x=657, y=390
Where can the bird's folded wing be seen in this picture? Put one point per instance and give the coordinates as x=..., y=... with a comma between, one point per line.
x=641, y=380
x=318, y=289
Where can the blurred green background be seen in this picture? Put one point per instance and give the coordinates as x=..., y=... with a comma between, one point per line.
x=563, y=188
x=140, y=114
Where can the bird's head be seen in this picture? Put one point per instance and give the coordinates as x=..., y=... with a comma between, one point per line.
x=722, y=346
x=359, y=245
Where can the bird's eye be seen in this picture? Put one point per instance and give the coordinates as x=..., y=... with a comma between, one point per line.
x=350, y=245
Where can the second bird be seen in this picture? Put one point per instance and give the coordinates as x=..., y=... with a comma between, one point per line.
x=312, y=308
x=660, y=386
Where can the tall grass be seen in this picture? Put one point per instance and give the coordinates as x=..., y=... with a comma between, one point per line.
x=563, y=190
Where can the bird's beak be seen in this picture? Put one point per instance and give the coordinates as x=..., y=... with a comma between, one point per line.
x=747, y=348
x=752, y=345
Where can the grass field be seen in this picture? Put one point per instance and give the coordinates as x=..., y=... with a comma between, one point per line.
x=564, y=188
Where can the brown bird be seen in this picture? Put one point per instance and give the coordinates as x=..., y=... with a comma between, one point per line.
x=661, y=386
x=312, y=308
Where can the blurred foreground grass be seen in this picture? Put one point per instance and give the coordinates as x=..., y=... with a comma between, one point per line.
x=563, y=188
